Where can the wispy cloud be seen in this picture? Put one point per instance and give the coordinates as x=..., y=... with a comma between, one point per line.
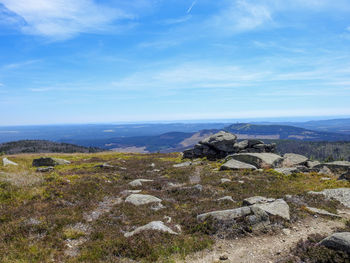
x=41, y=89
x=20, y=64
x=61, y=19
x=191, y=7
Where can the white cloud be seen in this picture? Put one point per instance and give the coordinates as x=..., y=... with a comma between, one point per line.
x=41, y=89
x=20, y=64
x=61, y=19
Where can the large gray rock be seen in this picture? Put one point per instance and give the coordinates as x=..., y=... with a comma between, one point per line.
x=340, y=194
x=278, y=207
x=48, y=161
x=7, y=162
x=338, y=241
x=236, y=165
x=292, y=159
x=259, y=160
x=153, y=226
x=221, y=141
x=140, y=199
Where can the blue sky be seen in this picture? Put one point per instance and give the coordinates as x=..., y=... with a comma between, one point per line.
x=83, y=61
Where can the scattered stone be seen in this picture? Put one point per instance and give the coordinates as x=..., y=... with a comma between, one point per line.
x=259, y=160
x=225, y=180
x=291, y=170
x=226, y=198
x=157, y=207
x=103, y=207
x=278, y=207
x=45, y=169
x=321, y=212
x=104, y=165
x=139, y=199
x=128, y=192
x=236, y=165
x=48, y=161
x=155, y=226
x=338, y=241
x=185, y=164
x=286, y=231
x=138, y=182
x=325, y=179
x=340, y=194
x=226, y=215
x=7, y=162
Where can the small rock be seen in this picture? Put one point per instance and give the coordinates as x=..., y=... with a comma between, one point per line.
x=155, y=226
x=226, y=198
x=138, y=182
x=321, y=212
x=286, y=231
x=139, y=199
x=225, y=180
x=325, y=170
x=7, y=162
x=45, y=169
x=223, y=257
x=185, y=164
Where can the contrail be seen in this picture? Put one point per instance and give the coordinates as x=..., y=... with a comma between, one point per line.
x=190, y=8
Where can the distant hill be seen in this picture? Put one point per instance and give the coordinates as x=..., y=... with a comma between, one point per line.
x=334, y=125
x=41, y=146
x=284, y=132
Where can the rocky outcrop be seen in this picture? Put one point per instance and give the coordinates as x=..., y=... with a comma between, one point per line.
x=7, y=162
x=139, y=199
x=224, y=143
x=259, y=160
x=48, y=161
x=236, y=165
x=153, y=226
x=338, y=241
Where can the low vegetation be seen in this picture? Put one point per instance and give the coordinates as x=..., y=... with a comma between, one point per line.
x=47, y=216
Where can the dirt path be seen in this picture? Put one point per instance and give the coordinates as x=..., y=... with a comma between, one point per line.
x=267, y=248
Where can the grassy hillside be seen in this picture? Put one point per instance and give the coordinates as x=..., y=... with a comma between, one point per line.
x=41, y=146
x=77, y=212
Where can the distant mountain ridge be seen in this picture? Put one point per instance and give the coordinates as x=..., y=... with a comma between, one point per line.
x=42, y=146
x=284, y=132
